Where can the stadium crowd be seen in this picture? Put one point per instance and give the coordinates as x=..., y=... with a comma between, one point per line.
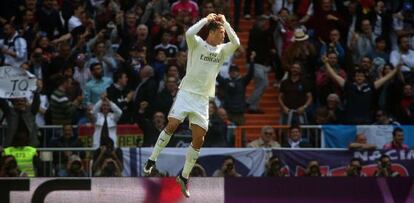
x=104, y=63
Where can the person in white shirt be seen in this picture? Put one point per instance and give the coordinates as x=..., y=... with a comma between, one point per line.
x=13, y=46
x=105, y=120
x=404, y=55
x=75, y=19
x=205, y=58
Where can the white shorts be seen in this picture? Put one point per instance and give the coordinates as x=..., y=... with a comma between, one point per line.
x=194, y=106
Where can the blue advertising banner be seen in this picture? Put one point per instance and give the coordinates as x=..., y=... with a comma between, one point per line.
x=340, y=136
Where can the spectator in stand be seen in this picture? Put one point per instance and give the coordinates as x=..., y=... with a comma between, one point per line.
x=21, y=117
x=235, y=91
x=217, y=129
x=105, y=121
x=185, y=8
x=275, y=168
x=169, y=49
x=397, y=140
x=354, y=169
x=75, y=20
x=122, y=96
x=133, y=65
x=208, y=7
x=295, y=139
x=67, y=140
x=172, y=71
x=313, y=169
x=266, y=139
x=381, y=20
x=405, y=106
x=384, y=168
x=303, y=51
x=13, y=46
x=151, y=128
x=379, y=55
x=366, y=66
x=198, y=171
x=334, y=45
x=362, y=43
x=103, y=55
x=222, y=114
x=166, y=97
x=382, y=118
x=56, y=65
x=62, y=109
x=147, y=88
x=404, y=55
x=325, y=85
x=38, y=65
x=155, y=7
x=159, y=65
x=74, y=168
x=360, y=143
x=97, y=86
x=26, y=156
x=181, y=62
x=333, y=104
x=82, y=73
x=359, y=93
x=9, y=167
x=44, y=105
x=107, y=160
x=258, y=6
x=402, y=25
x=49, y=20
x=325, y=18
x=227, y=169
x=295, y=96
x=260, y=41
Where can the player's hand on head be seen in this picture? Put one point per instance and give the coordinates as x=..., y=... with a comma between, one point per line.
x=211, y=17
x=221, y=18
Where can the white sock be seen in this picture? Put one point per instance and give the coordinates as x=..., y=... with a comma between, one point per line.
x=162, y=141
x=190, y=160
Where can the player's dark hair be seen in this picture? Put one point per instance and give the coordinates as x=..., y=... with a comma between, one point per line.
x=214, y=25
x=397, y=129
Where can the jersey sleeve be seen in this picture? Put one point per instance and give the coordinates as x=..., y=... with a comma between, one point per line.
x=190, y=35
x=234, y=43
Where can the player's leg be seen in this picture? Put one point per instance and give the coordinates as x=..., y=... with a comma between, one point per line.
x=161, y=143
x=193, y=152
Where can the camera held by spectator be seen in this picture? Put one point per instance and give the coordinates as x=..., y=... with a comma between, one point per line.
x=274, y=168
x=354, y=168
x=75, y=167
x=384, y=168
x=313, y=169
x=228, y=169
x=198, y=171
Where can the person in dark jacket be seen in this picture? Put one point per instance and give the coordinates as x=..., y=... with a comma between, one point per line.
x=217, y=129
x=295, y=139
x=146, y=89
x=151, y=128
x=122, y=96
x=165, y=98
x=21, y=117
x=235, y=91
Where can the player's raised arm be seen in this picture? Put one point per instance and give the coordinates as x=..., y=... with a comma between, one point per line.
x=234, y=40
x=194, y=29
